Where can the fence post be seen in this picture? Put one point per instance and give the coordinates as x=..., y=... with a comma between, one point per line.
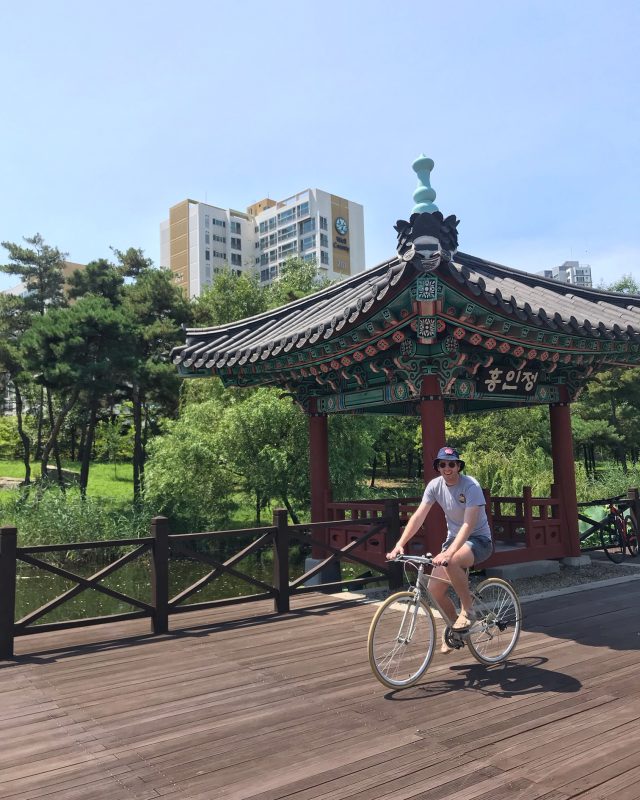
x=281, y=561
x=160, y=575
x=8, y=545
x=391, y=536
x=634, y=505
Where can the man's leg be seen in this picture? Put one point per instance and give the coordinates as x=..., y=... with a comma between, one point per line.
x=457, y=569
x=439, y=591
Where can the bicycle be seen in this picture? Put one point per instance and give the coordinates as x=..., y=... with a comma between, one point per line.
x=402, y=635
x=619, y=534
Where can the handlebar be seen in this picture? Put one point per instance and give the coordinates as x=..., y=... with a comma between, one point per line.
x=426, y=560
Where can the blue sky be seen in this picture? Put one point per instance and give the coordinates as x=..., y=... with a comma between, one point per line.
x=113, y=112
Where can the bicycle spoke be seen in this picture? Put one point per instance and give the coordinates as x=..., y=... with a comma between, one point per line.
x=495, y=635
x=401, y=640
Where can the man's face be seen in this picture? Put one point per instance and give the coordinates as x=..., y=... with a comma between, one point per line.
x=449, y=470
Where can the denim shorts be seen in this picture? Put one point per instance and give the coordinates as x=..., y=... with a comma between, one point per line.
x=481, y=547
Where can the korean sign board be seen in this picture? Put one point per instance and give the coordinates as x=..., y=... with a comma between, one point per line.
x=506, y=381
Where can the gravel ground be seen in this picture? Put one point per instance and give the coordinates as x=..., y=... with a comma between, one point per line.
x=570, y=577
x=567, y=580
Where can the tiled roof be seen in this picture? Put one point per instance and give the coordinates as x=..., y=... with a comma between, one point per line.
x=305, y=321
x=541, y=301
x=547, y=303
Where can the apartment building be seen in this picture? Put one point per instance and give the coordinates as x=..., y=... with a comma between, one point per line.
x=199, y=239
x=570, y=272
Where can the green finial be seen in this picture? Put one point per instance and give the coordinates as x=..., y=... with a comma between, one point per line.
x=424, y=195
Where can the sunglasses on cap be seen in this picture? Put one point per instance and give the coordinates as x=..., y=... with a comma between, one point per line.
x=443, y=464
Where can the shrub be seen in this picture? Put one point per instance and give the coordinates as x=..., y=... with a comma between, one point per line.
x=49, y=516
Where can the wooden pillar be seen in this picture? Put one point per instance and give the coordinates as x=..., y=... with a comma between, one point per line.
x=8, y=547
x=281, y=561
x=160, y=575
x=564, y=470
x=433, y=438
x=318, y=464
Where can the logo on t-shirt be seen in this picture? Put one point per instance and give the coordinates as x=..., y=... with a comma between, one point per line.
x=462, y=498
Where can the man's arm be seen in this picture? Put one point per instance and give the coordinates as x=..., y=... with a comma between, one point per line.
x=412, y=527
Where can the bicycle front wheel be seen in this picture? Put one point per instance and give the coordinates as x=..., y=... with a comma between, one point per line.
x=613, y=543
x=401, y=640
x=632, y=536
x=492, y=638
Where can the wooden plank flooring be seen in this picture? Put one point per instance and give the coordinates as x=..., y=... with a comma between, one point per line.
x=237, y=704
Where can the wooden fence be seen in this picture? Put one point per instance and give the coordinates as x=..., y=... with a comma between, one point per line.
x=162, y=546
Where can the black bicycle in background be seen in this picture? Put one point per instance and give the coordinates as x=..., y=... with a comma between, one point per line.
x=617, y=532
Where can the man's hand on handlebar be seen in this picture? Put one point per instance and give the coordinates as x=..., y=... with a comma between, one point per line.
x=398, y=550
x=440, y=560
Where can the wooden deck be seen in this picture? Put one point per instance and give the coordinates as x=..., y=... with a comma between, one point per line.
x=232, y=707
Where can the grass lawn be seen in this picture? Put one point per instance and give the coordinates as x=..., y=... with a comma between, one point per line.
x=105, y=480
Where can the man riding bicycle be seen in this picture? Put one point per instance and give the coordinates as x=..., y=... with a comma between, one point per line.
x=468, y=539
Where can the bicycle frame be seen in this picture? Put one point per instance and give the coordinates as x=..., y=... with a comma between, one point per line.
x=422, y=584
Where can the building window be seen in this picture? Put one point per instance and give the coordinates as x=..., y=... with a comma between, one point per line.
x=309, y=257
x=303, y=209
x=286, y=233
x=236, y=259
x=206, y=220
x=236, y=243
x=323, y=224
x=207, y=255
x=324, y=257
x=286, y=216
x=324, y=240
x=264, y=275
x=207, y=238
x=217, y=238
x=219, y=222
x=235, y=227
x=308, y=226
x=288, y=249
x=308, y=243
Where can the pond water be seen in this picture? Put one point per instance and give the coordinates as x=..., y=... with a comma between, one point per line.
x=35, y=587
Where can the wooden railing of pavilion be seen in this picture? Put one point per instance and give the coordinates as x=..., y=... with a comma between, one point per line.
x=525, y=528
x=162, y=546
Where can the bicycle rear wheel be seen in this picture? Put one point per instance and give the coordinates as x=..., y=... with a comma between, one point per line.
x=631, y=536
x=401, y=640
x=613, y=543
x=492, y=638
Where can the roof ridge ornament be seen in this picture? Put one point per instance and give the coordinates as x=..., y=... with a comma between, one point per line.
x=427, y=238
x=425, y=194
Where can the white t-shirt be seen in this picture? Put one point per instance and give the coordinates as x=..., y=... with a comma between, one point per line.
x=455, y=500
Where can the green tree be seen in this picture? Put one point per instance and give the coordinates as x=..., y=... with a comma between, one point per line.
x=14, y=322
x=39, y=267
x=78, y=351
x=185, y=477
x=230, y=297
x=263, y=441
x=99, y=278
x=156, y=310
x=627, y=284
x=298, y=278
